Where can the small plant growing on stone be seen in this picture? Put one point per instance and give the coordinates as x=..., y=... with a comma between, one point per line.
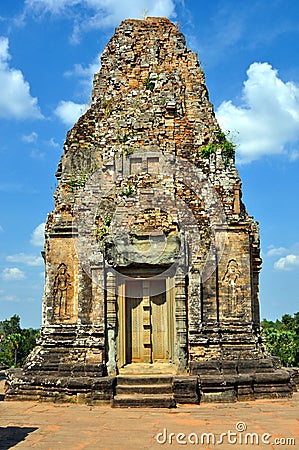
x=107, y=107
x=103, y=228
x=128, y=151
x=208, y=150
x=101, y=231
x=124, y=139
x=149, y=84
x=221, y=141
x=128, y=191
x=78, y=181
x=107, y=220
x=74, y=184
x=201, y=67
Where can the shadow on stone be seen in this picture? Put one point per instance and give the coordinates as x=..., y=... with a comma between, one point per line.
x=11, y=436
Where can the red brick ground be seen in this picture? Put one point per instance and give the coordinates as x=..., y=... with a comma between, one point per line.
x=45, y=426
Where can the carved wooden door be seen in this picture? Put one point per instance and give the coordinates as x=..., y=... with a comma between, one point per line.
x=159, y=324
x=147, y=337
x=134, y=322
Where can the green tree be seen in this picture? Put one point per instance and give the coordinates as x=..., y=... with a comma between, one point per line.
x=282, y=338
x=10, y=326
x=27, y=344
x=15, y=343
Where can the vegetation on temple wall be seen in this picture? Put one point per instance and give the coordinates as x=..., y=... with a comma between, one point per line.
x=122, y=139
x=149, y=84
x=107, y=107
x=15, y=342
x=128, y=151
x=78, y=181
x=103, y=229
x=221, y=141
x=74, y=184
x=282, y=338
x=128, y=191
x=201, y=67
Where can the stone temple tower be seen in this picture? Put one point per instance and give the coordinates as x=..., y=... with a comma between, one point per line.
x=152, y=261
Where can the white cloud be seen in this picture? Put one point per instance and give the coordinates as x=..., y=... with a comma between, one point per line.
x=294, y=155
x=53, y=143
x=32, y=137
x=96, y=14
x=53, y=6
x=288, y=262
x=28, y=260
x=85, y=72
x=285, y=259
x=268, y=119
x=15, y=99
x=276, y=251
x=69, y=112
x=12, y=274
x=37, y=154
x=10, y=298
x=1, y=229
x=37, y=237
x=11, y=187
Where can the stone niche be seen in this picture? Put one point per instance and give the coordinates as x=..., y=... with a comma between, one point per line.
x=152, y=261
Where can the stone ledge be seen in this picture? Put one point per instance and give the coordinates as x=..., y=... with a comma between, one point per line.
x=234, y=367
x=21, y=386
x=185, y=389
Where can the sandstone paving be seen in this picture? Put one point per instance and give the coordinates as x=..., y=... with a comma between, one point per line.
x=49, y=426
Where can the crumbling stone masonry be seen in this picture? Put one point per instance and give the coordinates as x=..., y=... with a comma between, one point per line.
x=152, y=261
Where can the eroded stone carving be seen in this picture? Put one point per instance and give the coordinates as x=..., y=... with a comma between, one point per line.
x=231, y=281
x=61, y=287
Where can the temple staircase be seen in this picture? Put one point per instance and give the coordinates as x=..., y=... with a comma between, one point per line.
x=137, y=391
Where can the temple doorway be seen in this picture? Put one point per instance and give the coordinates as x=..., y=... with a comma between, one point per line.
x=146, y=322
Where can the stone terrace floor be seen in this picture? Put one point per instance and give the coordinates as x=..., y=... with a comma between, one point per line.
x=45, y=426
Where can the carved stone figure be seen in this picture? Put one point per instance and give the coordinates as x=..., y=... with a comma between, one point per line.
x=231, y=279
x=61, y=285
x=81, y=160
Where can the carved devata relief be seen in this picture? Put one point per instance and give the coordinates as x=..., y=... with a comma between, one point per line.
x=232, y=286
x=61, y=291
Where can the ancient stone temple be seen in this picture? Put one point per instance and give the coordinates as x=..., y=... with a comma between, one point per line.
x=152, y=261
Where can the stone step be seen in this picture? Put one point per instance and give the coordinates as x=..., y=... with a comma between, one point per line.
x=148, y=369
x=145, y=389
x=144, y=379
x=143, y=401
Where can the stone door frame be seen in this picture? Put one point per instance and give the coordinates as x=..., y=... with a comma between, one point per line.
x=115, y=320
x=121, y=344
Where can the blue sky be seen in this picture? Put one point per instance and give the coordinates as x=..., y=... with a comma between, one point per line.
x=49, y=50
